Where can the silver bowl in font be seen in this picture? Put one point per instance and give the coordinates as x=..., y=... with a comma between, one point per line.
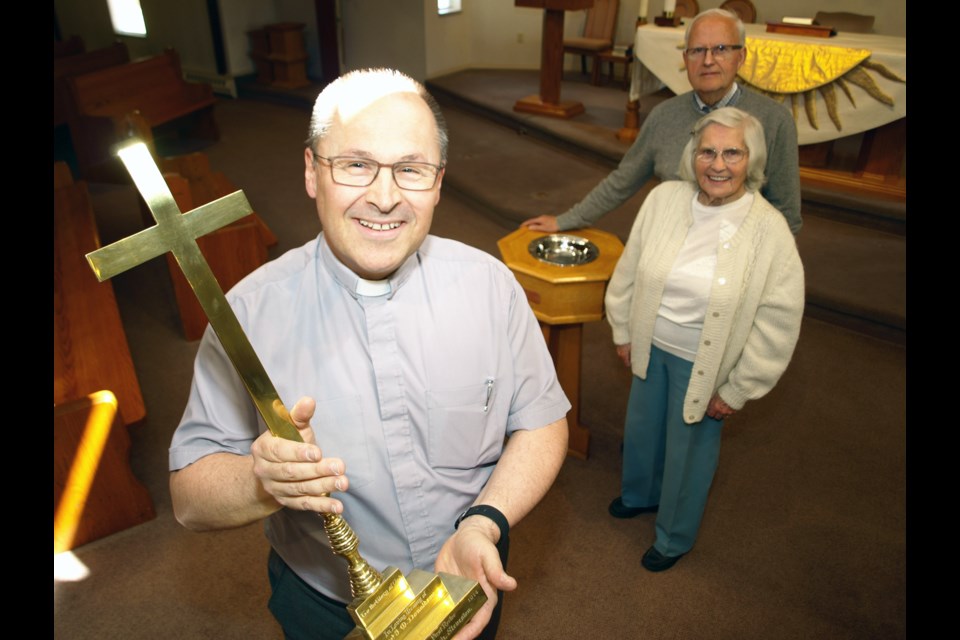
x=564, y=250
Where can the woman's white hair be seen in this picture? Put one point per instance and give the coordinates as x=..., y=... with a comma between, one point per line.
x=753, y=139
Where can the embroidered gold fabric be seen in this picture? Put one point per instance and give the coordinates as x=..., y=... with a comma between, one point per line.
x=794, y=67
x=801, y=71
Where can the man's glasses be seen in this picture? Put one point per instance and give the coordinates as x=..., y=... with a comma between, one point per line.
x=361, y=172
x=730, y=156
x=719, y=52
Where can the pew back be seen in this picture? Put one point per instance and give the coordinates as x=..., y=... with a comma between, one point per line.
x=153, y=86
x=90, y=350
x=78, y=64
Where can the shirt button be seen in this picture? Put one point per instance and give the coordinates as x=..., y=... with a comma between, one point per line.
x=722, y=281
x=696, y=401
x=700, y=373
x=706, y=342
x=726, y=245
x=716, y=314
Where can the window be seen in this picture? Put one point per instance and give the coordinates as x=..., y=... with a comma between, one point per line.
x=448, y=6
x=127, y=18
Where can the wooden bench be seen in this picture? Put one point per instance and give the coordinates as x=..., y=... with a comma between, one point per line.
x=232, y=251
x=95, y=492
x=90, y=350
x=152, y=87
x=76, y=64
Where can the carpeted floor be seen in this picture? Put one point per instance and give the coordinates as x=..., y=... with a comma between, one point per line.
x=804, y=536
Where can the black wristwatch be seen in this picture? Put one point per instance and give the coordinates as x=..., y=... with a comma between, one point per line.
x=491, y=512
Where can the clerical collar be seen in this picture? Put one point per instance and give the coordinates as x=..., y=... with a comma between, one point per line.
x=356, y=285
x=724, y=101
x=372, y=288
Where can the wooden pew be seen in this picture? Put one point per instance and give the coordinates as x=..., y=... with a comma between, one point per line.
x=206, y=185
x=71, y=46
x=232, y=251
x=95, y=492
x=90, y=350
x=76, y=64
x=152, y=87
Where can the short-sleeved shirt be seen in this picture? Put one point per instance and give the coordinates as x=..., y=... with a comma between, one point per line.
x=416, y=391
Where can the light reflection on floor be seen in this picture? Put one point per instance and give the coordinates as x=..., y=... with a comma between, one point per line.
x=68, y=568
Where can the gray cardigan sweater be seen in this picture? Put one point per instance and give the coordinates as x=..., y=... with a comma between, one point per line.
x=756, y=303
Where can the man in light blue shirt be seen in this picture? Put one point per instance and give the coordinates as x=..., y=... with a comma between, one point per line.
x=426, y=390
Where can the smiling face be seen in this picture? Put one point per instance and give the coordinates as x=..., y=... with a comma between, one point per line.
x=710, y=77
x=719, y=182
x=374, y=229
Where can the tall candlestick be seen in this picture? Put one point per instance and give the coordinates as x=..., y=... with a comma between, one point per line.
x=644, y=9
x=669, y=6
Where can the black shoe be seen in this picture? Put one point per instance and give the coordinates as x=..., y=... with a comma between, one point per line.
x=653, y=560
x=618, y=510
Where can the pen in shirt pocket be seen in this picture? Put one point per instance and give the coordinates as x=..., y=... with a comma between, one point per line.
x=486, y=403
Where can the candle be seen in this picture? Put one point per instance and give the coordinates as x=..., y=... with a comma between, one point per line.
x=669, y=6
x=644, y=9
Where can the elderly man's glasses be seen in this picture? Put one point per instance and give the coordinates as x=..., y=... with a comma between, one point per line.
x=730, y=156
x=719, y=52
x=361, y=172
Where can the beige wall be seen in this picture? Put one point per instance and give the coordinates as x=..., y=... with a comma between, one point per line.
x=891, y=14
x=181, y=24
x=403, y=34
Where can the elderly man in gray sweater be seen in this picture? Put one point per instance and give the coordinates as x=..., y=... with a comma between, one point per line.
x=714, y=53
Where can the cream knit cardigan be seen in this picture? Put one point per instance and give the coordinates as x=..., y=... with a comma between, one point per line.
x=756, y=302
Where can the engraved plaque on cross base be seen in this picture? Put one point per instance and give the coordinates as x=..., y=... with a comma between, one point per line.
x=418, y=606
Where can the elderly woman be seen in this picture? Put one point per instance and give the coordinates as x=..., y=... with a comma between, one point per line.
x=705, y=305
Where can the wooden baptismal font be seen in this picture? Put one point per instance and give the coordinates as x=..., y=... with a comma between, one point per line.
x=565, y=276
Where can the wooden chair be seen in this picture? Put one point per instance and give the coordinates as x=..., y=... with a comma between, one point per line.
x=743, y=8
x=598, y=32
x=687, y=8
x=845, y=21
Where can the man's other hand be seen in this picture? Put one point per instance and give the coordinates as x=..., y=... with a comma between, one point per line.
x=471, y=552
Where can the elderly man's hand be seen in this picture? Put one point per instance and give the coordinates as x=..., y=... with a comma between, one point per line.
x=471, y=552
x=541, y=223
x=295, y=473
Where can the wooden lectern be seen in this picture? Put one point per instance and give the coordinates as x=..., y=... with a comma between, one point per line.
x=551, y=60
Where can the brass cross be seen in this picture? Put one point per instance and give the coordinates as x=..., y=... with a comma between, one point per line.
x=178, y=233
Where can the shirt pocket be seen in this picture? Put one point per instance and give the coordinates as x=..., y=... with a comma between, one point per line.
x=464, y=429
x=339, y=428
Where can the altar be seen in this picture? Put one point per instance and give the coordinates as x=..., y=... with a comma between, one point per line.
x=848, y=84
x=805, y=78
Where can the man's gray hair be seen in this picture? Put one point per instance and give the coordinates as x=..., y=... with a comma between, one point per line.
x=721, y=13
x=753, y=138
x=363, y=86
